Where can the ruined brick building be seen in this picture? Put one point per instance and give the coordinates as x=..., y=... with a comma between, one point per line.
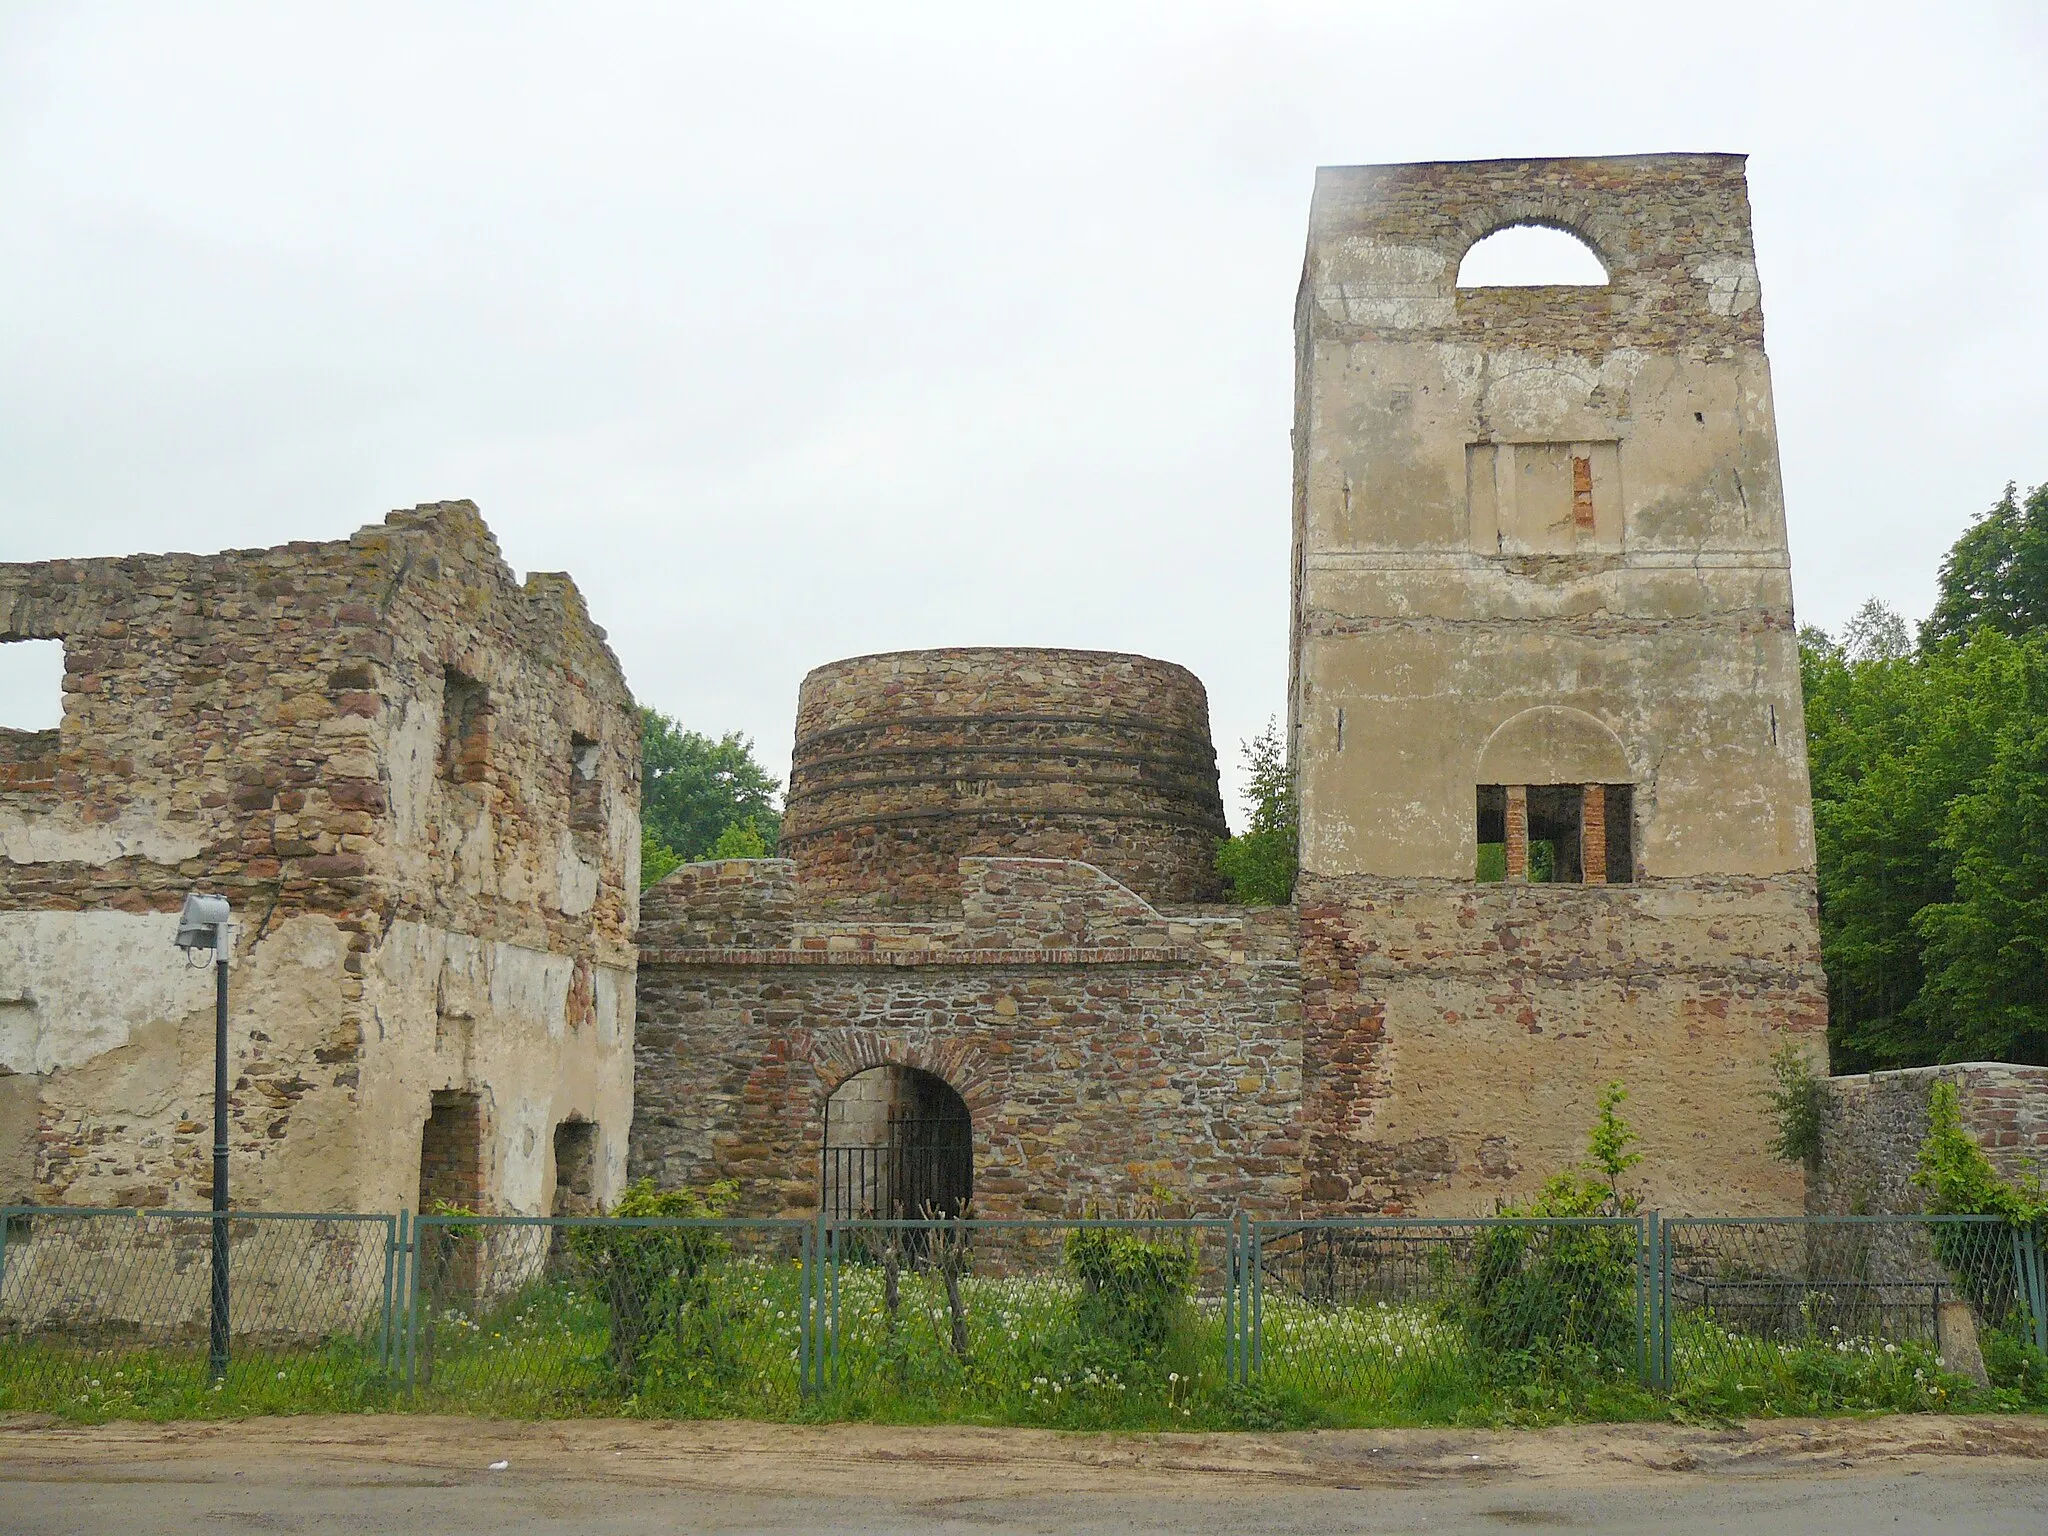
x=418, y=783
x=1555, y=825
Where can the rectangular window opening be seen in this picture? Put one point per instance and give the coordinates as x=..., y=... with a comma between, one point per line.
x=575, y=1168
x=20, y=1103
x=451, y=1180
x=1555, y=834
x=452, y=1154
x=465, y=728
x=31, y=710
x=586, y=789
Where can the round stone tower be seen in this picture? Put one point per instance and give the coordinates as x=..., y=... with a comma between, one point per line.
x=908, y=761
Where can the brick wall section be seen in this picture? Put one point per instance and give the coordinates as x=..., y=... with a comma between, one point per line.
x=1097, y=1070
x=28, y=760
x=1874, y=1123
x=905, y=763
x=1456, y=1036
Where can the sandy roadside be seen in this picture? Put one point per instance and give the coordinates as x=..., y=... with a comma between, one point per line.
x=734, y=1457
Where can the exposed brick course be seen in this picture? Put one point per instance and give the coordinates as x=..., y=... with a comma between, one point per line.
x=907, y=762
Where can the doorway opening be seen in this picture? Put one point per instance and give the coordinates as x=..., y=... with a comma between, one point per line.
x=899, y=1145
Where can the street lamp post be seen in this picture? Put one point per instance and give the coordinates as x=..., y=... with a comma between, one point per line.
x=203, y=924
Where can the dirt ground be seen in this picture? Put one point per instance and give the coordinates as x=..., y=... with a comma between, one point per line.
x=1979, y=1474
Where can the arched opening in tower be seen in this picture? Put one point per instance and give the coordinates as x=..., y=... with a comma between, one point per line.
x=899, y=1144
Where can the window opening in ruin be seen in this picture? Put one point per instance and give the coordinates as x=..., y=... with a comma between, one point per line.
x=1556, y=834
x=586, y=789
x=31, y=709
x=465, y=728
x=452, y=1154
x=1531, y=256
x=19, y=1107
x=575, y=1168
x=451, y=1180
x=899, y=1143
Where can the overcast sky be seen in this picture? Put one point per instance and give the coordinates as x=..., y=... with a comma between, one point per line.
x=797, y=333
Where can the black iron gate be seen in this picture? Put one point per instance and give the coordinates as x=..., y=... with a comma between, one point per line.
x=925, y=1168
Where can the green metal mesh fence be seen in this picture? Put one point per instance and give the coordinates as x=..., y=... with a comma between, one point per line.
x=1140, y=1323
x=1066, y=1323
x=1392, y=1316
x=690, y=1318
x=109, y=1311
x=1853, y=1308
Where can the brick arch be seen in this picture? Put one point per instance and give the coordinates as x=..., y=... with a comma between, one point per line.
x=842, y=1054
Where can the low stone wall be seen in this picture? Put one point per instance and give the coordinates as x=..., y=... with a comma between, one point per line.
x=1874, y=1123
x=1109, y=1057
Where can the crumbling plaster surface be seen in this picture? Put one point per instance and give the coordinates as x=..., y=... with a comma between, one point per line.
x=269, y=724
x=1539, y=538
x=1671, y=622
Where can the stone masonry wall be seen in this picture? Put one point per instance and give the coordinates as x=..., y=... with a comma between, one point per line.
x=1101, y=1068
x=419, y=907
x=1456, y=1037
x=1874, y=1123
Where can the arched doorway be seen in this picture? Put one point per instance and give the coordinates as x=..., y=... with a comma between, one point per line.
x=899, y=1143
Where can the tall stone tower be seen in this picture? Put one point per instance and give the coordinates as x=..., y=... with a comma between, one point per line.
x=1556, y=827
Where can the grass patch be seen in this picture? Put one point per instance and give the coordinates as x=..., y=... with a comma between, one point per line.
x=1035, y=1354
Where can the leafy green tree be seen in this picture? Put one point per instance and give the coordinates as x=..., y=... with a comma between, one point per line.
x=1986, y=949
x=1996, y=575
x=694, y=790
x=1930, y=786
x=1260, y=862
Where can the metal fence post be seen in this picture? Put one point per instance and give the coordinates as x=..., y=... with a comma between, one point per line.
x=1665, y=1374
x=1230, y=1299
x=1255, y=1355
x=1657, y=1342
x=2035, y=1283
x=803, y=1312
x=1643, y=1299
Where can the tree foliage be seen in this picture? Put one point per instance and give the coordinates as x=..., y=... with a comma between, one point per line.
x=1930, y=788
x=701, y=798
x=1996, y=575
x=1260, y=862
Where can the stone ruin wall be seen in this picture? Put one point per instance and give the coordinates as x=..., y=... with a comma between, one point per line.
x=1455, y=628
x=1457, y=1038
x=1108, y=1055
x=410, y=918
x=1873, y=1123
x=907, y=762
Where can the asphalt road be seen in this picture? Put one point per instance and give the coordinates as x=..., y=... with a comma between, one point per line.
x=1964, y=1500
x=430, y=1478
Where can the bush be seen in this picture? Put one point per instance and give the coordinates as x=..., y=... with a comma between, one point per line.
x=653, y=1282
x=1798, y=1100
x=1550, y=1298
x=2014, y=1364
x=1132, y=1288
x=1960, y=1181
